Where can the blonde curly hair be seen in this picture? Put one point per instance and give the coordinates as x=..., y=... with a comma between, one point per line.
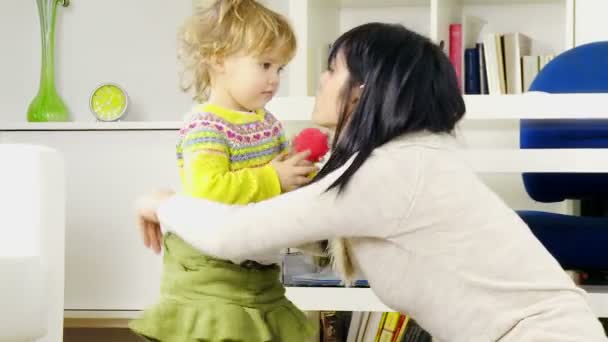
x=224, y=28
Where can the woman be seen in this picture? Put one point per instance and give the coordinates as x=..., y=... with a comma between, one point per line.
x=430, y=237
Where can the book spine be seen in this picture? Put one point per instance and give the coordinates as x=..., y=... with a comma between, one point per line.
x=471, y=70
x=483, y=73
x=456, y=50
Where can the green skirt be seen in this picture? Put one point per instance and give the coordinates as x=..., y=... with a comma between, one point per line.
x=207, y=299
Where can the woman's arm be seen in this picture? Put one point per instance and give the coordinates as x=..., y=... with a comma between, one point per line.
x=373, y=205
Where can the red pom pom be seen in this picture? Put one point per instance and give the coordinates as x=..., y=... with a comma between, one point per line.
x=313, y=140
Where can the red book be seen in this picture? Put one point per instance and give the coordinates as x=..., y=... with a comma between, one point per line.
x=456, y=50
x=401, y=325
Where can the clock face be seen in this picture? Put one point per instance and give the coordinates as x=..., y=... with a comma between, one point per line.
x=108, y=102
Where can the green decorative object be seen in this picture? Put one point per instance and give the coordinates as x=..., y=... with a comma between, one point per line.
x=109, y=102
x=48, y=105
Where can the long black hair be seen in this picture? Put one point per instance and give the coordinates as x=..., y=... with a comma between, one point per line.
x=409, y=85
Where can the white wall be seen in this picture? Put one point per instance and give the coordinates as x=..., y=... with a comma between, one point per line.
x=547, y=33
x=130, y=42
x=416, y=18
x=282, y=7
x=590, y=23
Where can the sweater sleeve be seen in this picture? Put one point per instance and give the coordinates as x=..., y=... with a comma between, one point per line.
x=206, y=171
x=370, y=206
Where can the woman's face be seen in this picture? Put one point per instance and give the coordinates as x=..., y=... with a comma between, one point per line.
x=328, y=102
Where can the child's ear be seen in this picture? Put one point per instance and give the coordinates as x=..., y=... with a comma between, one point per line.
x=217, y=64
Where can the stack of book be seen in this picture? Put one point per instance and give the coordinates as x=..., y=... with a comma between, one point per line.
x=494, y=64
x=370, y=327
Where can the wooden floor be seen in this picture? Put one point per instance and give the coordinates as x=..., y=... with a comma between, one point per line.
x=115, y=330
x=99, y=335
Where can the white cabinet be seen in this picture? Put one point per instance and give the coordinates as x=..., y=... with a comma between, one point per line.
x=107, y=267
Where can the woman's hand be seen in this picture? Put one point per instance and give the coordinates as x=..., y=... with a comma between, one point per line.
x=147, y=219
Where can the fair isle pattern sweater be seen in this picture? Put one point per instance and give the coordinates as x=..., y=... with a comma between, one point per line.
x=224, y=155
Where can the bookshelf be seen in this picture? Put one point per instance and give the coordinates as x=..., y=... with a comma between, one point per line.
x=331, y=299
x=550, y=24
x=319, y=22
x=295, y=112
x=355, y=299
x=534, y=105
x=96, y=150
x=336, y=299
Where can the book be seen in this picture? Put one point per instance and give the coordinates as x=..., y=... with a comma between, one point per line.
x=362, y=329
x=390, y=327
x=515, y=46
x=355, y=325
x=472, y=83
x=530, y=66
x=380, y=327
x=373, y=324
x=415, y=333
x=329, y=329
x=483, y=75
x=544, y=60
x=455, y=52
x=401, y=326
x=493, y=51
x=471, y=30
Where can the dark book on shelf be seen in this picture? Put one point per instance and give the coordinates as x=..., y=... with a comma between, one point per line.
x=483, y=74
x=472, y=83
x=415, y=333
x=334, y=325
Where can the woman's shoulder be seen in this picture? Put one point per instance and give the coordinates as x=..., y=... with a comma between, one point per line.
x=424, y=139
x=407, y=158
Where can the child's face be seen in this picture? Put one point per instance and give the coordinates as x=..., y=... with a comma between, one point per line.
x=250, y=80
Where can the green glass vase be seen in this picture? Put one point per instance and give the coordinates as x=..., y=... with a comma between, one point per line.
x=48, y=105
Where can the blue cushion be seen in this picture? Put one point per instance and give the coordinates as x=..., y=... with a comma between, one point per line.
x=576, y=242
x=583, y=69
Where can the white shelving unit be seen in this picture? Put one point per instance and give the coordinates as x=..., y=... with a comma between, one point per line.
x=296, y=111
x=125, y=278
x=360, y=299
x=336, y=299
x=550, y=24
x=552, y=29
x=319, y=22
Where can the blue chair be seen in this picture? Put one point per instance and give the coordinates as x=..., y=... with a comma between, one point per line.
x=576, y=242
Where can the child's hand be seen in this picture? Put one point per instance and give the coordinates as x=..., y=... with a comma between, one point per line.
x=293, y=170
x=147, y=219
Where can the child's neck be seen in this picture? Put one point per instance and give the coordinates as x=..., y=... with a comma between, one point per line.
x=225, y=100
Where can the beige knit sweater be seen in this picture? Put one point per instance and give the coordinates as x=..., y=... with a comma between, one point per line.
x=430, y=237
